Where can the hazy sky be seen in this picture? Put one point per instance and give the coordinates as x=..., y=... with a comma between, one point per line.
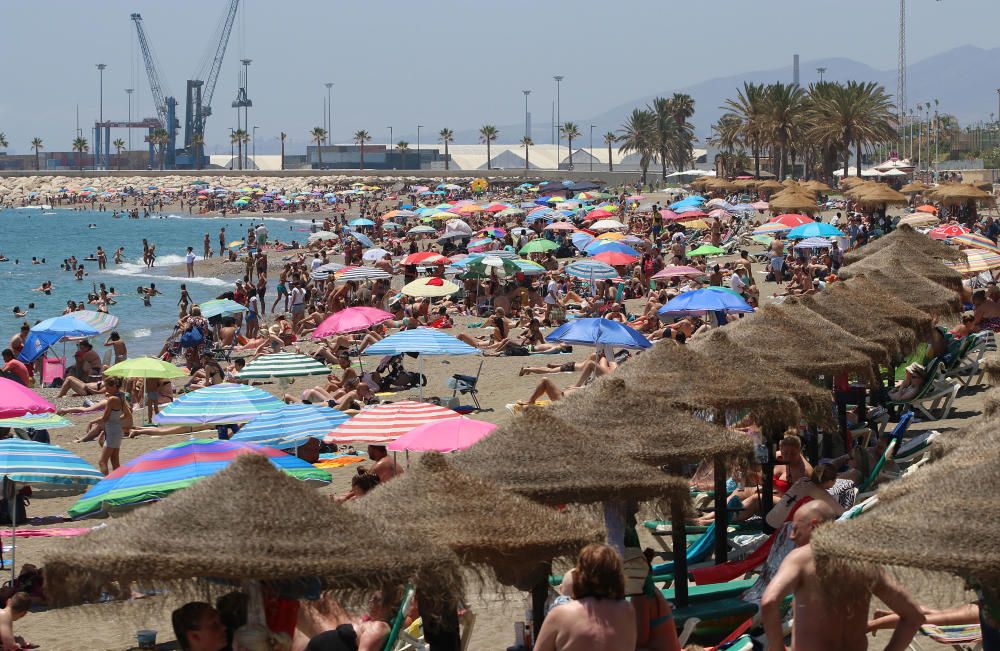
x=436, y=63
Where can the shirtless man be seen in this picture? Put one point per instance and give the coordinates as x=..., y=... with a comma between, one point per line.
x=820, y=624
x=385, y=467
x=17, y=607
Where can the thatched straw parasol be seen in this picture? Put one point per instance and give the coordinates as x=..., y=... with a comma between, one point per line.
x=770, y=185
x=915, y=290
x=250, y=521
x=898, y=256
x=805, y=344
x=817, y=186
x=540, y=457
x=866, y=311
x=941, y=519
x=700, y=182
x=911, y=240
x=480, y=522
x=992, y=369
x=648, y=428
x=849, y=182
x=746, y=184
x=879, y=195
x=960, y=194
x=916, y=187
x=793, y=201
x=991, y=402
x=689, y=380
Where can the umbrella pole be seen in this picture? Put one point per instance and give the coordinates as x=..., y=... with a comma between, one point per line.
x=420, y=374
x=721, y=511
x=678, y=544
x=255, y=602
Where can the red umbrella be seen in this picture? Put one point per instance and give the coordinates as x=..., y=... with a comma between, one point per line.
x=792, y=220
x=425, y=257
x=599, y=213
x=693, y=214
x=385, y=423
x=669, y=215
x=944, y=231
x=614, y=258
x=679, y=272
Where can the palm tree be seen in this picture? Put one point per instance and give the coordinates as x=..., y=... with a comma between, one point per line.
x=526, y=142
x=36, y=144
x=80, y=145
x=119, y=146
x=783, y=117
x=682, y=107
x=360, y=138
x=318, y=135
x=748, y=107
x=283, y=136
x=609, y=139
x=3, y=140
x=639, y=136
x=446, y=135
x=858, y=114
x=402, y=147
x=160, y=138
x=198, y=142
x=488, y=133
x=570, y=131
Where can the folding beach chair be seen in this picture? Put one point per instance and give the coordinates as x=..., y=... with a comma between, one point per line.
x=961, y=637
x=937, y=393
x=467, y=384
x=968, y=369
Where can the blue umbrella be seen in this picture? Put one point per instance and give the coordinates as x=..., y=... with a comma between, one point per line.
x=693, y=200
x=814, y=229
x=599, y=332
x=78, y=325
x=590, y=270
x=427, y=341
x=364, y=239
x=361, y=221
x=45, y=466
x=703, y=301
x=602, y=246
x=581, y=240
x=220, y=307
x=291, y=426
x=218, y=404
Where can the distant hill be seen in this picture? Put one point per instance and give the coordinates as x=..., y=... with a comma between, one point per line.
x=964, y=80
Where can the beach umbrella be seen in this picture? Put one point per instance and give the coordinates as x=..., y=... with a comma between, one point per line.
x=599, y=332
x=590, y=270
x=445, y=435
x=385, y=423
x=360, y=237
x=814, y=243
x=976, y=261
x=283, y=365
x=361, y=221
x=706, y=249
x=792, y=220
x=374, y=255
x=680, y=271
x=529, y=268
x=560, y=226
x=422, y=230
x=221, y=307
x=704, y=301
x=538, y=245
x=78, y=325
x=152, y=476
x=431, y=287
x=290, y=426
x=351, y=319
x=426, y=341
x=607, y=224
x=975, y=240
x=581, y=239
x=322, y=236
x=815, y=229
x=919, y=220
x=145, y=367
x=218, y=404
x=945, y=231
x=362, y=273
x=927, y=208
x=604, y=246
x=482, y=264
x=18, y=400
x=47, y=467
x=614, y=258
x=319, y=275
x=425, y=258
x=36, y=421
x=610, y=235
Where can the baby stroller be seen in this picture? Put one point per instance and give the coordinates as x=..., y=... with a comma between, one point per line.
x=391, y=376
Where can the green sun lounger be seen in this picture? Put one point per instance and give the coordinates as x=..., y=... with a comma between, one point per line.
x=713, y=591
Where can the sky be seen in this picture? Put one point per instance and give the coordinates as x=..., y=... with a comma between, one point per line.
x=438, y=63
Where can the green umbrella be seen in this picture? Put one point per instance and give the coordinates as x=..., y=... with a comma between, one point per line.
x=145, y=367
x=707, y=249
x=538, y=245
x=37, y=421
x=484, y=264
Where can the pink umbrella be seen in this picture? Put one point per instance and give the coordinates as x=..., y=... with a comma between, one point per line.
x=719, y=213
x=18, y=400
x=678, y=272
x=759, y=205
x=443, y=435
x=385, y=423
x=945, y=231
x=351, y=320
x=560, y=226
x=669, y=215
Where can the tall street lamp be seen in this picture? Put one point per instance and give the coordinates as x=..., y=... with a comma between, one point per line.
x=388, y=150
x=558, y=79
x=329, y=111
x=527, y=133
x=419, y=127
x=129, y=91
x=100, y=115
x=592, y=148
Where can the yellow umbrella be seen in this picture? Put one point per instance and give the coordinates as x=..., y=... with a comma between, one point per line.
x=920, y=220
x=611, y=235
x=235, y=243
x=479, y=185
x=468, y=209
x=696, y=224
x=431, y=287
x=976, y=261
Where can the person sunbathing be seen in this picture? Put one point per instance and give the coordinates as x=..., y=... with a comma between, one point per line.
x=361, y=484
x=546, y=387
x=548, y=369
x=967, y=614
x=820, y=486
x=793, y=465
x=79, y=387
x=910, y=385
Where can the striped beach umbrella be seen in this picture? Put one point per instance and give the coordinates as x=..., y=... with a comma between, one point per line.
x=219, y=404
x=771, y=229
x=975, y=261
x=220, y=307
x=45, y=466
x=157, y=474
x=426, y=341
x=291, y=426
x=590, y=270
x=975, y=240
x=283, y=365
x=363, y=273
x=36, y=421
x=385, y=423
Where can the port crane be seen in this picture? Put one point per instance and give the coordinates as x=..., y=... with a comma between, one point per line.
x=198, y=99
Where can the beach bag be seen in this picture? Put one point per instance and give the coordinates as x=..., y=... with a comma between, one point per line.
x=192, y=337
x=21, y=501
x=515, y=350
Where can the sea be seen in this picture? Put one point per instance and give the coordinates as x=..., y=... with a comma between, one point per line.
x=56, y=234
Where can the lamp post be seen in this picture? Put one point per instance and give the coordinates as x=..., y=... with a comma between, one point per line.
x=527, y=134
x=389, y=148
x=232, y=150
x=254, y=144
x=329, y=111
x=419, y=127
x=591, y=148
x=821, y=72
x=100, y=115
x=558, y=79
x=129, y=91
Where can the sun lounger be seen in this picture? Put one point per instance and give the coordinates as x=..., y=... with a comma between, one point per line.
x=937, y=393
x=712, y=591
x=968, y=369
x=961, y=637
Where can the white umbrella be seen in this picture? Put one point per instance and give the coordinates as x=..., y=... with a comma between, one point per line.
x=374, y=255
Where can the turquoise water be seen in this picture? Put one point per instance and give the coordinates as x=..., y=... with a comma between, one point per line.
x=58, y=234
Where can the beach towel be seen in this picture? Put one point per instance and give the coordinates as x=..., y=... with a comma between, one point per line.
x=55, y=532
x=953, y=634
x=338, y=460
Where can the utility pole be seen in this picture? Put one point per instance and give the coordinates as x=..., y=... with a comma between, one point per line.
x=254, y=143
x=329, y=111
x=901, y=69
x=591, y=148
x=100, y=114
x=419, y=127
x=821, y=72
x=388, y=151
x=558, y=79
x=129, y=91
x=526, y=93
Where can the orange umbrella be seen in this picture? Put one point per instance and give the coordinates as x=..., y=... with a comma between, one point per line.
x=927, y=208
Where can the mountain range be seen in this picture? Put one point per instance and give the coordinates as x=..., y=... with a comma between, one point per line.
x=964, y=80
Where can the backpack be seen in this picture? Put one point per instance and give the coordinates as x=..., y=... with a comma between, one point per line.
x=192, y=337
